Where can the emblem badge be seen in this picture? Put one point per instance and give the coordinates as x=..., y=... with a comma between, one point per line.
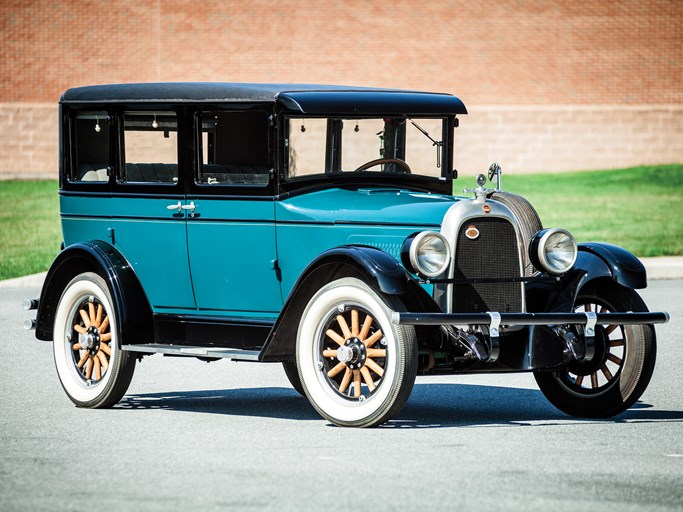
x=472, y=232
x=486, y=208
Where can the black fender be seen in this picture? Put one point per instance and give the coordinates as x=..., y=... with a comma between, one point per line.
x=606, y=260
x=382, y=270
x=379, y=269
x=594, y=262
x=134, y=313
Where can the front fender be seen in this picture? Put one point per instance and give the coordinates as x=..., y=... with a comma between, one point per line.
x=381, y=269
x=602, y=260
x=594, y=261
x=377, y=268
x=135, y=315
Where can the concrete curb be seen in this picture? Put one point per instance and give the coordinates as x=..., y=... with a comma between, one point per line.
x=32, y=281
x=664, y=267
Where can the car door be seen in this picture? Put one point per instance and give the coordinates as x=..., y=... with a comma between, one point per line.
x=231, y=221
x=148, y=218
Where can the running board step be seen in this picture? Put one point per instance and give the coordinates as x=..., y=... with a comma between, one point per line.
x=190, y=351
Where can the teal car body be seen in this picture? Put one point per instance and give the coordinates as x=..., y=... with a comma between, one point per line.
x=316, y=226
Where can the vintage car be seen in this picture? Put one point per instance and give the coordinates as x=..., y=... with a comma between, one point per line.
x=316, y=227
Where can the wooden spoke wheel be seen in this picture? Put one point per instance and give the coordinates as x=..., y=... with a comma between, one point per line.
x=356, y=368
x=90, y=340
x=600, y=372
x=619, y=371
x=92, y=368
x=353, y=353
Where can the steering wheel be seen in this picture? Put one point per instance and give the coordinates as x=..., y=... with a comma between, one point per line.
x=380, y=161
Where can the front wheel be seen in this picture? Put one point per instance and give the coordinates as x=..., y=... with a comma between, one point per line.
x=357, y=368
x=617, y=375
x=91, y=366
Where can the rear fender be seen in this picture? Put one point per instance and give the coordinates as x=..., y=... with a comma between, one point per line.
x=132, y=306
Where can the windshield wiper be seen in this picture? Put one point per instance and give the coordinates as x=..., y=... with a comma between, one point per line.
x=437, y=143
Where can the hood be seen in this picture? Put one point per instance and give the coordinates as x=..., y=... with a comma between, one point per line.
x=371, y=206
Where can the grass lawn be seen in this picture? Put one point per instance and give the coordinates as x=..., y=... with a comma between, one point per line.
x=640, y=209
x=30, y=234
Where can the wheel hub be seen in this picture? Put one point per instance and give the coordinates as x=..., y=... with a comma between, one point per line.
x=588, y=366
x=90, y=341
x=353, y=353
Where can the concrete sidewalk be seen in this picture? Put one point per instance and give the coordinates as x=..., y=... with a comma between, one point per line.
x=665, y=267
x=32, y=281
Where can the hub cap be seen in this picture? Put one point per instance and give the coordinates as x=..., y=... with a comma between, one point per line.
x=600, y=372
x=353, y=355
x=92, y=351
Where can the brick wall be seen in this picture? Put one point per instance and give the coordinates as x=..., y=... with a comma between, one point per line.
x=28, y=140
x=579, y=63
x=559, y=138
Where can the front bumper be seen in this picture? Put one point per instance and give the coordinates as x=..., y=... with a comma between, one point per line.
x=513, y=319
x=484, y=331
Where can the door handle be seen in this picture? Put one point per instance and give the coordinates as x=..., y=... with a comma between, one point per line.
x=190, y=207
x=177, y=207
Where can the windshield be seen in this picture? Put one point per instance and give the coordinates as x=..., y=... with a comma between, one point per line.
x=395, y=145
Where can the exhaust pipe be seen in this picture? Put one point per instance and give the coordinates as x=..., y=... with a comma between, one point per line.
x=30, y=304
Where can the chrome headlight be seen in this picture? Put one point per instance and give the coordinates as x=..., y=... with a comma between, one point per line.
x=426, y=253
x=553, y=250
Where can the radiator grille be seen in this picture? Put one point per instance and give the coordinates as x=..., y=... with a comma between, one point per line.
x=492, y=255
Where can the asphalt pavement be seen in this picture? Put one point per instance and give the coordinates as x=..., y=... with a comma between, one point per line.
x=191, y=435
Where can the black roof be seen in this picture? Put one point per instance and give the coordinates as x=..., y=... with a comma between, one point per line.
x=304, y=98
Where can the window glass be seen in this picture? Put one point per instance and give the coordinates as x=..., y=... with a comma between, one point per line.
x=234, y=148
x=307, y=146
x=90, y=150
x=334, y=145
x=424, y=146
x=150, y=147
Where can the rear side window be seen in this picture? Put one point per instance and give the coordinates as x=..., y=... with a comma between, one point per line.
x=90, y=147
x=234, y=148
x=150, y=147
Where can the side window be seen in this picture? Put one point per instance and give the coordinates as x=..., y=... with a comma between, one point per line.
x=90, y=147
x=233, y=148
x=150, y=147
x=307, y=139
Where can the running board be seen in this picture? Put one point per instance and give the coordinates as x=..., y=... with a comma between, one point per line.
x=189, y=351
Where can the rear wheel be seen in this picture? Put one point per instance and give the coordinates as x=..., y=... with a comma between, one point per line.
x=356, y=367
x=91, y=366
x=621, y=368
x=293, y=376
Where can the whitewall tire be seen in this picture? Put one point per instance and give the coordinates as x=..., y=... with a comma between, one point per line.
x=91, y=366
x=356, y=368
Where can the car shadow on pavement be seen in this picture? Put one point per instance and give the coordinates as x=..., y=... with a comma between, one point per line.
x=466, y=405
x=429, y=406
x=264, y=402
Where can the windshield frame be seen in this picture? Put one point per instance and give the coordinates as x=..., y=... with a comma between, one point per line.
x=442, y=183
